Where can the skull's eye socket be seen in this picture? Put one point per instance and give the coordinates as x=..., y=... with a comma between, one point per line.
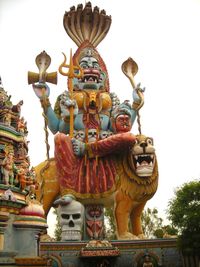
x=76, y=216
x=65, y=216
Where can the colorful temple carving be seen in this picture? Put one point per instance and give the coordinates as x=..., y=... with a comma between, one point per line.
x=22, y=218
x=14, y=159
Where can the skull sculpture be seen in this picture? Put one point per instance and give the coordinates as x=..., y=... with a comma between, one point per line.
x=110, y=133
x=74, y=133
x=71, y=219
x=92, y=135
x=80, y=135
x=104, y=134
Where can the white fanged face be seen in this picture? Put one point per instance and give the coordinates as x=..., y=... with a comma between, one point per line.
x=92, y=135
x=80, y=135
x=143, y=157
x=104, y=135
x=93, y=77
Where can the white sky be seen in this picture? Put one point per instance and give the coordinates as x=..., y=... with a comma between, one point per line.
x=162, y=36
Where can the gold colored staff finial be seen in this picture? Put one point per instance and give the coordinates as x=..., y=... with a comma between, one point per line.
x=43, y=61
x=130, y=69
x=70, y=74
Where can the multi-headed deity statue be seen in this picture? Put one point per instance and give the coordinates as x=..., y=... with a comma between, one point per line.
x=96, y=156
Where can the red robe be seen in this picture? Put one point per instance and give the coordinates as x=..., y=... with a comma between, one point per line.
x=93, y=175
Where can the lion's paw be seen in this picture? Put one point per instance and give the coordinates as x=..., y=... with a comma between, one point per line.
x=127, y=236
x=142, y=236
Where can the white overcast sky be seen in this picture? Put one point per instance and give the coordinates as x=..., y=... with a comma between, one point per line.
x=162, y=36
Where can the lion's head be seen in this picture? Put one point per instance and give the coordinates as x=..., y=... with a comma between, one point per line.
x=139, y=170
x=142, y=158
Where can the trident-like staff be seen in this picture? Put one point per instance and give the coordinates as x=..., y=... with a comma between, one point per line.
x=71, y=75
x=130, y=69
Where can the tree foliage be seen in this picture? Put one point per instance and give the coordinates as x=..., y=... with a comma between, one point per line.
x=184, y=212
x=151, y=222
x=58, y=230
x=109, y=224
x=165, y=231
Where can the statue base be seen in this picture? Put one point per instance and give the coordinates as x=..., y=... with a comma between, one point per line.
x=96, y=253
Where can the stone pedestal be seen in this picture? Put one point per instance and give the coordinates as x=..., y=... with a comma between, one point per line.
x=7, y=258
x=26, y=241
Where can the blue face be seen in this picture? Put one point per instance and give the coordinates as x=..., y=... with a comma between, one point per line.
x=89, y=62
x=93, y=77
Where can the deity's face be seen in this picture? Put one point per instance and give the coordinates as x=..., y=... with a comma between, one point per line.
x=93, y=77
x=123, y=123
x=89, y=62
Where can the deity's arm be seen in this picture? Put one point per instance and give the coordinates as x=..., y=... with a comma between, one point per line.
x=111, y=145
x=52, y=120
x=56, y=122
x=138, y=97
x=133, y=116
x=114, y=144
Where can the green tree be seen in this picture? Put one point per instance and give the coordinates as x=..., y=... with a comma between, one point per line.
x=165, y=231
x=151, y=222
x=184, y=212
x=109, y=224
x=58, y=230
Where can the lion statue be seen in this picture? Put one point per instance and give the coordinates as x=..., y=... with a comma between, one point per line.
x=137, y=172
x=138, y=175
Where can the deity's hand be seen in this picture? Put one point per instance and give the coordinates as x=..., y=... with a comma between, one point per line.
x=78, y=147
x=138, y=98
x=71, y=103
x=41, y=90
x=65, y=105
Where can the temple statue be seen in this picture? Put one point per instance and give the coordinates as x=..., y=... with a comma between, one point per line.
x=91, y=126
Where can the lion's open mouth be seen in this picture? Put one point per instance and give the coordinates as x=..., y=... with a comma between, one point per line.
x=144, y=159
x=144, y=163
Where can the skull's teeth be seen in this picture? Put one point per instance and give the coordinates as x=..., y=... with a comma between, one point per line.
x=71, y=235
